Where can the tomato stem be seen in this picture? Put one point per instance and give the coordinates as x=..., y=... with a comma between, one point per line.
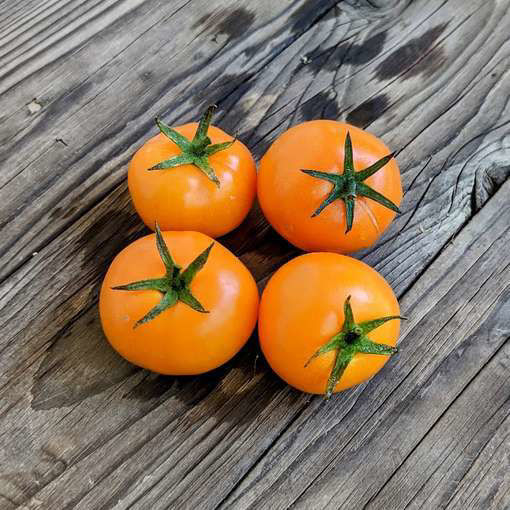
x=349, y=185
x=349, y=341
x=175, y=285
x=351, y=337
x=193, y=152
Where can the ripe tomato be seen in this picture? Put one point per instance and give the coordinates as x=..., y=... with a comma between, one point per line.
x=326, y=322
x=173, y=320
x=193, y=177
x=329, y=186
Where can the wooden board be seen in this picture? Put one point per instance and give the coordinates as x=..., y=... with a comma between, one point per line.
x=80, y=82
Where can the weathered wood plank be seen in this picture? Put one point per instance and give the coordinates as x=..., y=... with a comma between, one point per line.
x=72, y=414
x=473, y=428
x=345, y=454
x=442, y=294
x=171, y=57
x=486, y=484
x=256, y=94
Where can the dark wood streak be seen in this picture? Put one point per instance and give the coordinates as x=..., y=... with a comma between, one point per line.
x=369, y=111
x=80, y=427
x=403, y=57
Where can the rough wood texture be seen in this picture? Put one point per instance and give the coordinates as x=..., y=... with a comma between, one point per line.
x=80, y=82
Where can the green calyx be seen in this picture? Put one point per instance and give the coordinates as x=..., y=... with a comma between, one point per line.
x=193, y=152
x=351, y=340
x=174, y=286
x=349, y=185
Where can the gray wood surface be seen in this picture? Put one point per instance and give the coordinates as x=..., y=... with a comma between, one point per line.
x=80, y=83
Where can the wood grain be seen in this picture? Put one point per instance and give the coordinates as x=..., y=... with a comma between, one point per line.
x=80, y=82
x=360, y=442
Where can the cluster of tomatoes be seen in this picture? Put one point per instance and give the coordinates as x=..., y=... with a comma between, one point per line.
x=177, y=302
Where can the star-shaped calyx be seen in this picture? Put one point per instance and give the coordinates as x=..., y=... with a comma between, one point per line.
x=174, y=286
x=350, y=340
x=193, y=152
x=349, y=185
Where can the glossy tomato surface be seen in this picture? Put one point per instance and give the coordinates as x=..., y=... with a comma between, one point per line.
x=302, y=308
x=289, y=197
x=181, y=340
x=184, y=198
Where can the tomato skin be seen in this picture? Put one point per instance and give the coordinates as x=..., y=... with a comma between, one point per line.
x=302, y=308
x=288, y=197
x=179, y=341
x=184, y=198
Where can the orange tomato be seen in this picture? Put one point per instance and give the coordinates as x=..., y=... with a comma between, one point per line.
x=178, y=303
x=327, y=322
x=187, y=178
x=329, y=186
